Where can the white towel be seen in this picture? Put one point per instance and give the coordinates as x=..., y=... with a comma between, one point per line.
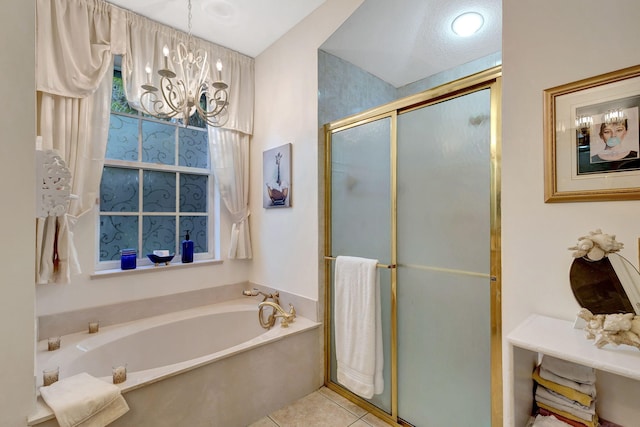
x=569, y=370
x=548, y=421
x=552, y=400
x=84, y=401
x=358, y=326
x=588, y=389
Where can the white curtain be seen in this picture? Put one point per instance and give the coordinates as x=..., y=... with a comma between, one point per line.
x=230, y=161
x=229, y=146
x=75, y=44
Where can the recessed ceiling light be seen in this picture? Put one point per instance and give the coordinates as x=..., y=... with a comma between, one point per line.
x=467, y=24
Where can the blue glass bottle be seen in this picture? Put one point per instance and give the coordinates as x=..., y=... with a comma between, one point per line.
x=187, y=249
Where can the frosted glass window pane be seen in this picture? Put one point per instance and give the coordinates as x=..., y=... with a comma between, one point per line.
x=159, y=191
x=119, y=190
x=193, y=193
x=444, y=184
x=193, y=148
x=159, y=233
x=158, y=143
x=117, y=233
x=123, y=138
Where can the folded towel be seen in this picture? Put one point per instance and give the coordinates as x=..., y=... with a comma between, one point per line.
x=84, y=401
x=573, y=423
x=548, y=421
x=358, y=326
x=557, y=401
x=569, y=370
x=589, y=389
x=589, y=423
x=567, y=392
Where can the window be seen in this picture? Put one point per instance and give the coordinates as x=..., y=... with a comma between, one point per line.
x=156, y=186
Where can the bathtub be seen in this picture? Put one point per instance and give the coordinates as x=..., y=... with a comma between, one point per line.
x=206, y=366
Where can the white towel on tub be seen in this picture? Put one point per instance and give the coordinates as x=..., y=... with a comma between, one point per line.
x=84, y=401
x=358, y=326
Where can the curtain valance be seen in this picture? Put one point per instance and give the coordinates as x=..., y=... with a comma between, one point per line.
x=75, y=41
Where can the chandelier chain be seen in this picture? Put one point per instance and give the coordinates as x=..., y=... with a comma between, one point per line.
x=189, y=22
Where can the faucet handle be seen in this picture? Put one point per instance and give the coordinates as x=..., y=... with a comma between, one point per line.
x=292, y=312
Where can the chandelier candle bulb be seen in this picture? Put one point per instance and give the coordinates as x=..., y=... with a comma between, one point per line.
x=219, y=68
x=165, y=52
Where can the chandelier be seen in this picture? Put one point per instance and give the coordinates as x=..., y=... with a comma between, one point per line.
x=189, y=91
x=614, y=116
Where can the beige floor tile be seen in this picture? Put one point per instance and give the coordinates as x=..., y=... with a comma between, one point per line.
x=264, y=422
x=345, y=403
x=374, y=421
x=313, y=410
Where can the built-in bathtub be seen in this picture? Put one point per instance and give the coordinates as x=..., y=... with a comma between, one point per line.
x=207, y=366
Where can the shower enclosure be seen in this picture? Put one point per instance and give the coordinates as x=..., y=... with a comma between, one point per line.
x=415, y=185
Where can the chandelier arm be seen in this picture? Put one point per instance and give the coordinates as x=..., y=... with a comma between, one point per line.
x=170, y=91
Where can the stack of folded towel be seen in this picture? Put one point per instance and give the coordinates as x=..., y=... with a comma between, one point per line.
x=567, y=391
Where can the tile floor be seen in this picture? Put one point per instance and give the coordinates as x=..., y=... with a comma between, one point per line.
x=322, y=408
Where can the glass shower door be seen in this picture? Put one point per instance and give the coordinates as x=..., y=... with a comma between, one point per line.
x=443, y=254
x=361, y=218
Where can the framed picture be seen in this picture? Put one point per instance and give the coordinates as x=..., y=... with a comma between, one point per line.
x=276, y=174
x=592, y=138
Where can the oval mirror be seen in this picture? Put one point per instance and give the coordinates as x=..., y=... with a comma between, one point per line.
x=610, y=285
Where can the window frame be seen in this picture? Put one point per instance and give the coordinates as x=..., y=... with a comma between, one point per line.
x=213, y=203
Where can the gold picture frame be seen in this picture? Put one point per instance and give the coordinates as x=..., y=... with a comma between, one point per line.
x=592, y=138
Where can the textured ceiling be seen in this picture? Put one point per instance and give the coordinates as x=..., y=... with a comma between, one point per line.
x=403, y=41
x=399, y=41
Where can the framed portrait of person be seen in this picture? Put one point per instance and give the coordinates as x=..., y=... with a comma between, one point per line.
x=592, y=138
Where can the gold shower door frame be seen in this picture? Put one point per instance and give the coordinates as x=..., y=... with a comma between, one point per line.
x=489, y=79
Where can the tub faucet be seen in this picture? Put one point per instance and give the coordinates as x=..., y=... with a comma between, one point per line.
x=277, y=311
x=254, y=292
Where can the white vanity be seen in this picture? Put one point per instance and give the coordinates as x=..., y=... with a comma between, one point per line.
x=618, y=368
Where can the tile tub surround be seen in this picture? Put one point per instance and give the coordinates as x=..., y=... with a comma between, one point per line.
x=235, y=391
x=76, y=321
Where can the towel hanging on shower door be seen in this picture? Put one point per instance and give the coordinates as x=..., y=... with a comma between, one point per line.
x=358, y=326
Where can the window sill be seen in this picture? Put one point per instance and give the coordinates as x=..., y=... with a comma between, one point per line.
x=103, y=274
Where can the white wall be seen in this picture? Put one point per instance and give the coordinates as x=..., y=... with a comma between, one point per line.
x=286, y=241
x=548, y=43
x=17, y=210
